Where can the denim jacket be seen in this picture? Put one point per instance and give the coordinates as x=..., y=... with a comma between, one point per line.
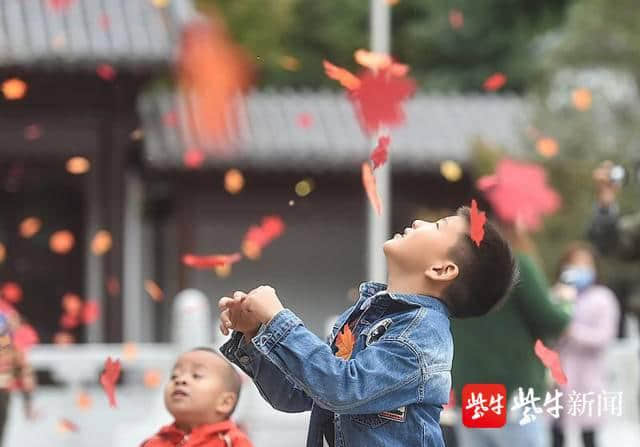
x=389, y=393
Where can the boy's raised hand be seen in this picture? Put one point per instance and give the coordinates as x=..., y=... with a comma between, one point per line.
x=232, y=316
x=262, y=303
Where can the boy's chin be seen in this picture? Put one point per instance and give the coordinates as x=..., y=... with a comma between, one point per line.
x=388, y=247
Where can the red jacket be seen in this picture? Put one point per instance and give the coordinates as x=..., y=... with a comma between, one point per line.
x=222, y=434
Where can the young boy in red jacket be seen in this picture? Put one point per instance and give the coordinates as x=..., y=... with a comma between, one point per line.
x=201, y=395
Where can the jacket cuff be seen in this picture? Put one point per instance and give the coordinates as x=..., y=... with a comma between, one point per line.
x=278, y=328
x=243, y=354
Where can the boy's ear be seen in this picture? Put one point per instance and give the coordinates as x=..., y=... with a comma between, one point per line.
x=226, y=402
x=442, y=271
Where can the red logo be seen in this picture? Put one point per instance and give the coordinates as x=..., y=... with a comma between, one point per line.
x=484, y=405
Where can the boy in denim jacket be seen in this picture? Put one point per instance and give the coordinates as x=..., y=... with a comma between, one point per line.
x=390, y=389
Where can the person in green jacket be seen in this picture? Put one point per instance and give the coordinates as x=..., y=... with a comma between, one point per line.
x=499, y=348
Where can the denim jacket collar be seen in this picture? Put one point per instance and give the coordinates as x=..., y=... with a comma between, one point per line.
x=370, y=291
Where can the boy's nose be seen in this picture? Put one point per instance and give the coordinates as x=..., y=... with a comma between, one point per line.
x=417, y=223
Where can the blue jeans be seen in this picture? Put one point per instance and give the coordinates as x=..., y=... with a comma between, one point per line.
x=512, y=434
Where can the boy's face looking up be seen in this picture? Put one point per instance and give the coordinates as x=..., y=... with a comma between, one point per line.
x=203, y=389
x=424, y=248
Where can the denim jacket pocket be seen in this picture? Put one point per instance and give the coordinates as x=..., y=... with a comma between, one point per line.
x=369, y=420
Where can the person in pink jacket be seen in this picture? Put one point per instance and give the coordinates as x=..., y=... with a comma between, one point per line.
x=582, y=347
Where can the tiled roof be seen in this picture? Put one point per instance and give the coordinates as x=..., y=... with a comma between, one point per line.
x=438, y=127
x=119, y=32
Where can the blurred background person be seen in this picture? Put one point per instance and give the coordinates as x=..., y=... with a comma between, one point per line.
x=610, y=232
x=15, y=371
x=583, y=345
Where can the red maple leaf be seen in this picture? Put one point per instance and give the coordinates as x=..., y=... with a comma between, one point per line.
x=551, y=360
x=518, y=193
x=193, y=158
x=369, y=183
x=456, y=19
x=90, y=312
x=106, y=72
x=378, y=101
x=11, y=291
x=347, y=79
x=345, y=342
x=67, y=425
x=271, y=228
x=59, y=5
x=477, y=221
x=212, y=72
x=495, y=82
x=72, y=304
x=305, y=120
x=380, y=153
x=210, y=261
x=108, y=379
x=105, y=21
x=32, y=132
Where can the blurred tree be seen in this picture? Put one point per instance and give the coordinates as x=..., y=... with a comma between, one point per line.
x=586, y=99
x=291, y=37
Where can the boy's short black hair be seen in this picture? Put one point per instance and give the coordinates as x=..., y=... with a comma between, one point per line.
x=486, y=274
x=230, y=375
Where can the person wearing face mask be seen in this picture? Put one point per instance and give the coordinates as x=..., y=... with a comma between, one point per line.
x=583, y=345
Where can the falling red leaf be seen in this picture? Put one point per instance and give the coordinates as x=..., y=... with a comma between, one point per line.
x=369, y=183
x=477, y=221
x=170, y=118
x=379, y=99
x=154, y=290
x=32, y=132
x=271, y=228
x=551, y=360
x=518, y=192
x=106, y=72
x=11, y=291
x=65, y=425
x=456, y=19
x=495, y=82
x=59, y=5
x=113, y=286
x=72, y=304
x=24, y=337
x=108, y=379
x=347, y=79
x=380, y=153
x=345, y=342
x=210, y=261
x=90, y=312
x=104, y=21
x=193, y=158
x=83, y=400
x=213, y=72
x=305, y=120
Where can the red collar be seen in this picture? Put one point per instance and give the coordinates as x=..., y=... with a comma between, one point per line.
x=202, y=431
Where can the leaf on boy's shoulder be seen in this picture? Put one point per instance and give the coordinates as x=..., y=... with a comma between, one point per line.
x=345, y=342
